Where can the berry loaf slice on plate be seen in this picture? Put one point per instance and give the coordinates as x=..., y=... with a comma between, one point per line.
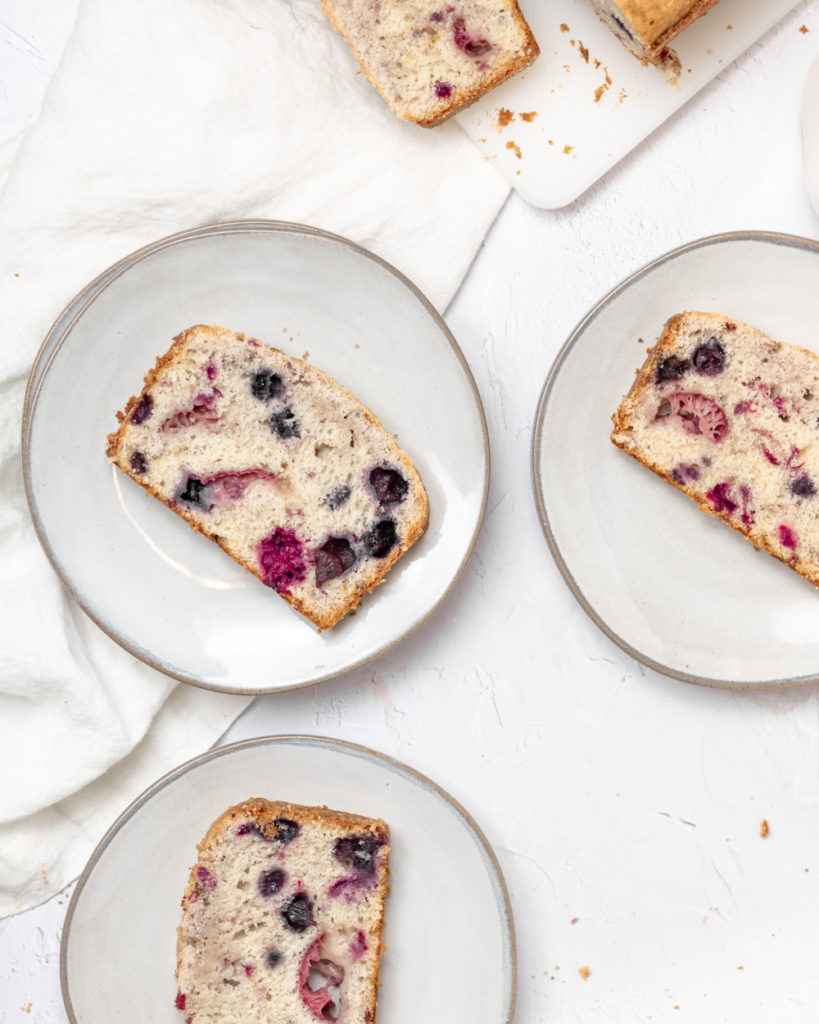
x=429, y=58
x=277, y=463
x=646, y=27
x=282, y=917
x=731, y=418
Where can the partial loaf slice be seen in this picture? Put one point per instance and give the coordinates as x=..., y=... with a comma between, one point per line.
x=646, y=27
x=282, y=917
x=277, y=463
x=429, y=58
x=731, y=418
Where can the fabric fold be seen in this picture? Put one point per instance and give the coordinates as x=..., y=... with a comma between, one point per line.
x=164, y=116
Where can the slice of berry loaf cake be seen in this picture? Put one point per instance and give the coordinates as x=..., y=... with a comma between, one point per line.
x=277, y=463
x=282, y=917
x=429, y=58
x=731, y=418
x=646, y=27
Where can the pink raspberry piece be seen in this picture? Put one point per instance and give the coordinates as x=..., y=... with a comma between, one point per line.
x=696, y=414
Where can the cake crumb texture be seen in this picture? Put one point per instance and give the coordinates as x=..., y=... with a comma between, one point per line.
x=730, y=417
x=278, y=464
x=282, y=917
x=429, y=59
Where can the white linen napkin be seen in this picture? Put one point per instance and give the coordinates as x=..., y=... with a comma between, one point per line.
x=165, y=115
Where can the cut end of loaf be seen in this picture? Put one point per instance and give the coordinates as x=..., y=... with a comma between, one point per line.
x=647, y=27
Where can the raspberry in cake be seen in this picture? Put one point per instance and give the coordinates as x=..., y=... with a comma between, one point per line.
x=730, y=417
x=275, y=461
x=646, y=27
x=282, y=917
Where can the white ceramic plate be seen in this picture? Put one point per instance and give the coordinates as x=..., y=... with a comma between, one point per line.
x=449, y=930
x=163, y=592
x=675, y=588
x=592, y=101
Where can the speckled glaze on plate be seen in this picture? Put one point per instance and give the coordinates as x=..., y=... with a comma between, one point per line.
x=449, y=932
x=677, y=589
x=168, y=595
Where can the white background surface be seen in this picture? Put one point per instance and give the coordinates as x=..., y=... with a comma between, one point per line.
x=592, y=101
x=624, y=807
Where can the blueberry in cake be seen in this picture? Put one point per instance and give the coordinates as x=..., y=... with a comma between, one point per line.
x=731, y=418
x=646, y=27
x=429, y=58
x=282, y=917
x=275, y=461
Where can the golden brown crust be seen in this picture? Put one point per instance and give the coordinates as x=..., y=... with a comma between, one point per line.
x=656, y=22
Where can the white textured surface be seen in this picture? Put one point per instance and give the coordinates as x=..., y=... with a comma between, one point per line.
x=624, y=807
x=589, y=102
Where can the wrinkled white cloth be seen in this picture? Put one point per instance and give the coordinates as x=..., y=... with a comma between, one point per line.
x=165, y=115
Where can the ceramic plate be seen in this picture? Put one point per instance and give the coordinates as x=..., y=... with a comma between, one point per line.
x=449, y=931
x=675, y=588
x=163, y=592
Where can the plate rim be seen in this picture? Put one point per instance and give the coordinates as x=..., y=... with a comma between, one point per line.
x=768, y=237
x=60, y=331
x=344, y=747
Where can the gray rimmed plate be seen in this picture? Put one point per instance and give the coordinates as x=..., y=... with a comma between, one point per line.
x=166, y=594
x=449, y=929
x=676, y=589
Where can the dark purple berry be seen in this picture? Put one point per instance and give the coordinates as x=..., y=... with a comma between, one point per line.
x=389, y=486
x=443, y=90
x=272, y=958
x=285, y=424
x=285, y=830
x=333, y=558
x=297, y=913
x=803, y=487
x=358, y=852
x=467, y=42
x=270, y=881
x=709, y=358
x=337, y=497
x=139, y=464
x=685, y=472
x=143, y=410
x=266, y=385
x=381, y=538
x=194, y=493
x=247, y=828
x=720, y=498
x=672, y=368
x=621, y=26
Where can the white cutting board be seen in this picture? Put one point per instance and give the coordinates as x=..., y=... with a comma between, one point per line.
x=589, y=102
